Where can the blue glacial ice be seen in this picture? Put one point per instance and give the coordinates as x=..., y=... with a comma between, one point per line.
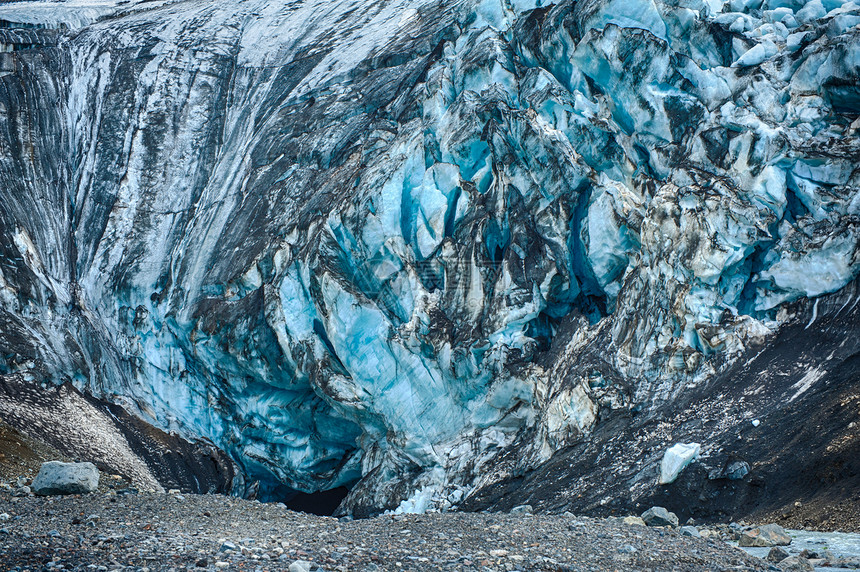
x=368, y=244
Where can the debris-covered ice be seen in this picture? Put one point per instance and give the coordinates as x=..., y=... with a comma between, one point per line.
x=340, y=241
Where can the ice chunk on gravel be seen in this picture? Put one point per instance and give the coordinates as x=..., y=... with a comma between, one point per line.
x=675, y=459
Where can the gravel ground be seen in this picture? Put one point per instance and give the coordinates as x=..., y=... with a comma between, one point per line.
x=140, y=531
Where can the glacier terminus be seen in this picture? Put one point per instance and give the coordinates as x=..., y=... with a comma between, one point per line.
x=428, y=250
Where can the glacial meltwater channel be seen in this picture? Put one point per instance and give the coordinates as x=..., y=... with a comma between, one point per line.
x=841, y=544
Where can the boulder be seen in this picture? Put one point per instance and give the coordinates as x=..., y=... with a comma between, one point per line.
x=633, y=521
x=522, y=509
x=690, y=531
x=764, y=536
x=675, y=459
x=58, y=478
x=776, y=555
x=659, y=516
x=796, y=564
x=737, y=470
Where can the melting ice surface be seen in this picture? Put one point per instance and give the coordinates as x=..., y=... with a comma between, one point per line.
x=675, y=459
x=339, y=241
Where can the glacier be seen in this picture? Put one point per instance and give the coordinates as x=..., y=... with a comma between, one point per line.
x=369, y=243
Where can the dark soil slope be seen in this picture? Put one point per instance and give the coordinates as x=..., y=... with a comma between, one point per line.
x=48, y=423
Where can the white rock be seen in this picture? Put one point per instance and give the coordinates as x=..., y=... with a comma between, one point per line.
x=522, y=509
x=300, y=566
x=58, y=478
x=675, y=459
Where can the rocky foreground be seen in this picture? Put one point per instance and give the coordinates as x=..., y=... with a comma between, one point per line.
x=153, y=531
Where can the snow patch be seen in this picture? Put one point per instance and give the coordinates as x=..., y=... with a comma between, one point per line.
x=807, y=381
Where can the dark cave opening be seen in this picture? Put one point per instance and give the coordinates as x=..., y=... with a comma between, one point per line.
x=587, y=298
x=322, y=503
x=542, y=329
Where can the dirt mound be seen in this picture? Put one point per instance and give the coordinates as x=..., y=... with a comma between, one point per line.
x=21, y=456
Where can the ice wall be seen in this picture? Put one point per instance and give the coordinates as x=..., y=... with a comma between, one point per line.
x=373, y=243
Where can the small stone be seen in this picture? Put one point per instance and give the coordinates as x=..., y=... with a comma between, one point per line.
x=202, y=563
x=221, y=564
x=633, y=521
x=522, y=509
x=627, y=549
x=690, y=531
x=796, y=564
x=764, y=536
x=659, y=516
x=5, y=516
x=498, y=553
x=300, y=566
x=737, y=470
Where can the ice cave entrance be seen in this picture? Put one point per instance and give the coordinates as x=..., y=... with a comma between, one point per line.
x=322, y=503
